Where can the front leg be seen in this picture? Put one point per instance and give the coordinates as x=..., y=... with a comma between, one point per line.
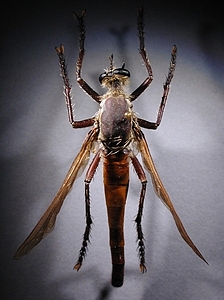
x=81, y=24
x=142, y=52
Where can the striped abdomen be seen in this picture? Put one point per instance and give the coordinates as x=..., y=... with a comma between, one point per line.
x=116, y=179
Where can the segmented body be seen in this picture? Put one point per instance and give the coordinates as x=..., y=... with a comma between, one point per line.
x=116, y=131
x=116, y=180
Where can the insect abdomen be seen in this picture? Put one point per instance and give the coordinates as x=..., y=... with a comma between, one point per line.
x=116, y=179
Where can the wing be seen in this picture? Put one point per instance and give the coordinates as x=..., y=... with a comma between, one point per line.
x=161, y=191
x=47, y=221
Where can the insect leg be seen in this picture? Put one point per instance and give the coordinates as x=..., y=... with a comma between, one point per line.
x=67, y=92
x=81, y=82
x=89, y=175
x=166, y=88
x=141, y=247
x=142, y=52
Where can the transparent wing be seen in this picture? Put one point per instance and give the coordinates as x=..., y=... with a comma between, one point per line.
x=161, y=191
x=47, y=221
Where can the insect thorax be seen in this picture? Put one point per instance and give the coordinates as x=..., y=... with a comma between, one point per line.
x=115, y=122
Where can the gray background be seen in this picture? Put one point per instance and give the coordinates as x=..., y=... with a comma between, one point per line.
x=38, y=146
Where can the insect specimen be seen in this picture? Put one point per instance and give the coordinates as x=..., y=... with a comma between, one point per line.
x=115, y=137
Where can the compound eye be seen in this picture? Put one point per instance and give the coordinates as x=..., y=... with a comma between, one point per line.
x=105, y=74
x=122, y=71
x=102, y=76
x=118, y=71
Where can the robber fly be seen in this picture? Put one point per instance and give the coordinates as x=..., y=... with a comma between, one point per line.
x=115, y=136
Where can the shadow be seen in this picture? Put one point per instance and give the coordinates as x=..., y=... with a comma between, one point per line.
x=104, y=292
x=70, y=286
x=121, y=37
x=210, y=36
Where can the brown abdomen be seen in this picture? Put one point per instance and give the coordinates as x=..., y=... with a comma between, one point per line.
x=116, y=179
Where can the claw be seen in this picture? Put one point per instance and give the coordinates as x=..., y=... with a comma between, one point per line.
x=60, y=50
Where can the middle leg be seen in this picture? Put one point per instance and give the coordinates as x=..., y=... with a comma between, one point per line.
x=166, y=88
x=67, y=92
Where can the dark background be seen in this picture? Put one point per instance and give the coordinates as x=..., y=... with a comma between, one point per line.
x=38, y=146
